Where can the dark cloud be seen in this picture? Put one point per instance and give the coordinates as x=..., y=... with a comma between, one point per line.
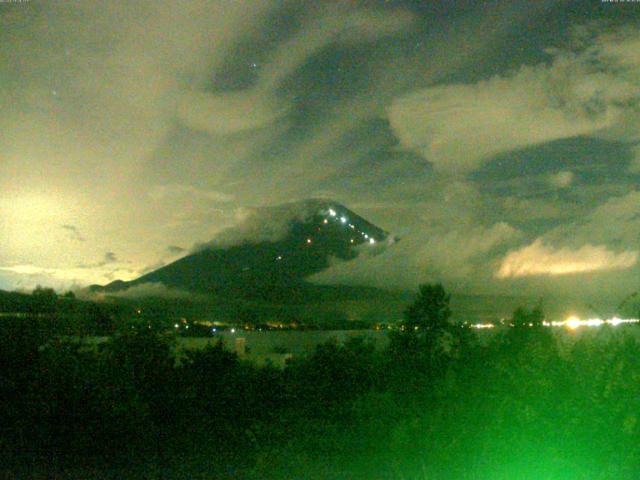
x=74, y=233
x=174, y=249
x=109, y=257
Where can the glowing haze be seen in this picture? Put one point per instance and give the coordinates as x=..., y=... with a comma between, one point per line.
x=540, y=259
x=499, y=141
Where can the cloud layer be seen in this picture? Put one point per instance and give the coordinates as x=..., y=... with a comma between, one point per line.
x=129, y=128
x=594, y=91
x=541, y=259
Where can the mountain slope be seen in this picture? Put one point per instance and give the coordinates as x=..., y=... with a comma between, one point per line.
x=271, y=254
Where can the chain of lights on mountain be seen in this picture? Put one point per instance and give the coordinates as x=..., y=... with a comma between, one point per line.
x=572, y=323
x=345, y=221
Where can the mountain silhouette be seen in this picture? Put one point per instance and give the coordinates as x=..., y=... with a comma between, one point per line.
x=270, y=254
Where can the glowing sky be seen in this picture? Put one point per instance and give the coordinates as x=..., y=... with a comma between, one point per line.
x=499, y=140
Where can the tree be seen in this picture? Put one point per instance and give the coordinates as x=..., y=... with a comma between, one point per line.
x=527, y=318
x=426, y=337
x=528, y=329
x=430, y=310
x=44, y=300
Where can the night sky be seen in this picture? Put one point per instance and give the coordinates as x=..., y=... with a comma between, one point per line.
x=499, y=140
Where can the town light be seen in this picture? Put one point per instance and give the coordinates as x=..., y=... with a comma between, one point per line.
x=572, y=323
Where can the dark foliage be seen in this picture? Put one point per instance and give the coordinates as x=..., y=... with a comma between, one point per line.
x=435, y=405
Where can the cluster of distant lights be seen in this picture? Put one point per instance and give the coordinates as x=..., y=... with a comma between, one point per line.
x=213, y=330
x=345, y=221
x=572, y=323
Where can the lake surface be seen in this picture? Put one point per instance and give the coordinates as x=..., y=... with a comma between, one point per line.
x=277, y=346
x=304, y=342
x=295, y=342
